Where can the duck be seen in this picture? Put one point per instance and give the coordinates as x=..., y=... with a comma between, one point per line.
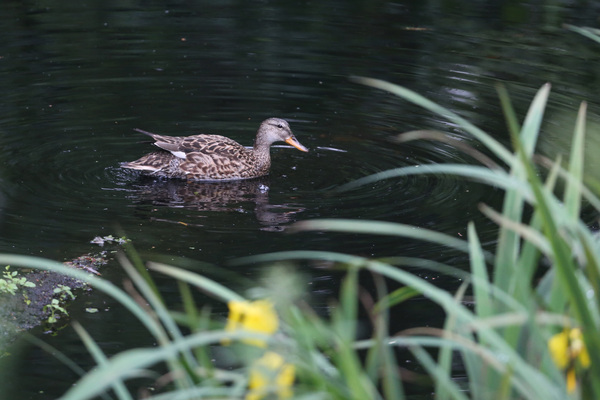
x=214, y=157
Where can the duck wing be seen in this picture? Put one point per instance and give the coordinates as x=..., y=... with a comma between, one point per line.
x=181, y=146
x=220, y=162
x=206, y=144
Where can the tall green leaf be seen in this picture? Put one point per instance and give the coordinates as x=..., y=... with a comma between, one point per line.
x=573, y=191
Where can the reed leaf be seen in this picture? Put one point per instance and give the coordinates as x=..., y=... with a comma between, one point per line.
x=528, y=381
x=494, y=178
x=100, y=359
x=207, y=285
x=156, y=302
x=415, y=98
x=131, y=363
x=590, y=33
x=380, y=228
x=445, y=352
x=445, y=383
x=508, y=241
x=484, y=305
x=572, y=196
x=530, y=253
x=566, y=284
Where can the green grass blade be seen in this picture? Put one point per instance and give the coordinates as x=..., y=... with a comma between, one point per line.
x=494, y=178
x=509, y=112
x=380, y=228
x=458, y=144
x=100, y=359
x=395, y=297
x=592, y=257
x=382, y=356
x=441, y=377
x=533, y=120
x=590, y=33
x=392, y=386
x=572, y=191
x=344, y=323
x=508, y=241
x=499, y=295
x=59, y=355
x=484, y=306
x=190, y=308
x=348, y=310
x=131, y=363
x=522, y=230
x=445, y=353
x=197, y=393
x=209, y=286
x=415, y=98
x=138, y=263
x=528, y=260
x=197, y=322
x=359, y=386
x=181, y=369
x=588, y=193
x=423, y=263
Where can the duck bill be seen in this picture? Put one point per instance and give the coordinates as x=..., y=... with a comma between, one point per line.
x=293, y=142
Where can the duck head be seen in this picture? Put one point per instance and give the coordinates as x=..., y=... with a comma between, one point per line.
x=276, y=130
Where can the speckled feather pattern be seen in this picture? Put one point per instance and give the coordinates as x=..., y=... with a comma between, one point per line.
x=214, y=157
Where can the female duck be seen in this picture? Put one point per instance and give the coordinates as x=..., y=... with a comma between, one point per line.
x=214, y=157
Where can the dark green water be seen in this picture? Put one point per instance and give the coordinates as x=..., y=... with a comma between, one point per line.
x=78, y=77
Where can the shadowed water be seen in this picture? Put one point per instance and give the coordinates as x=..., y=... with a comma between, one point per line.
x=77, y=78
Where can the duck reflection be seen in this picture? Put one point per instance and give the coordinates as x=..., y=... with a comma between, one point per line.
x=228, y=196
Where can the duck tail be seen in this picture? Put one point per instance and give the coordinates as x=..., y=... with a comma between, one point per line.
x=144, y=132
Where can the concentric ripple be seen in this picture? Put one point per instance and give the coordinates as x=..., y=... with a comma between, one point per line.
x=400, y=199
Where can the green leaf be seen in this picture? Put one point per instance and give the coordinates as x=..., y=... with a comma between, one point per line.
x=394, y=298
x=483, y=302
x=208, y=285
x=508, y=241
x=415, y=98
x=380, y=228
x=590, y=33
x=101, y=359
x=573, y=191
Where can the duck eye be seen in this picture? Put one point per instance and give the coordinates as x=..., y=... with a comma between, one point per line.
x=280, y=126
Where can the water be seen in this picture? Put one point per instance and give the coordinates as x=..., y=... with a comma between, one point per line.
x=77, y=78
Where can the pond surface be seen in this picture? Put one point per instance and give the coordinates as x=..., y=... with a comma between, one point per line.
x=77, y=79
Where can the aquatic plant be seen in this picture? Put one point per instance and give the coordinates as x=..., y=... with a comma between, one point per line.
x=502, y=343
x=11, y=282
x=63, y=292
x=55, y=309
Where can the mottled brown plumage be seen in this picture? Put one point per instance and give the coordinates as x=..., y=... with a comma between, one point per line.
x=214, y=157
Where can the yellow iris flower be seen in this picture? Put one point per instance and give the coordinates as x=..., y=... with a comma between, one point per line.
x=270, y=374
x=256, y=316
x=568, y=349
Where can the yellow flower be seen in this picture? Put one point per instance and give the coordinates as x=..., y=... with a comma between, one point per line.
x=578, y=348
x=568, y=349
x=559, y=349
x=258, y=316
x=270, y=375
